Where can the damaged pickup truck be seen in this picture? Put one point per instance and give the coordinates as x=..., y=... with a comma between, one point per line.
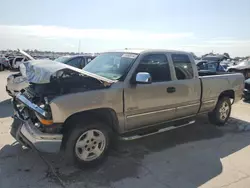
x=127, y=93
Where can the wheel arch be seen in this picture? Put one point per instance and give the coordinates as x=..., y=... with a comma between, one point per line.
x=106, y=115
x=227, y=93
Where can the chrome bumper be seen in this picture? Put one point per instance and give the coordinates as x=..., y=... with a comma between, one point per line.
x=27, y=134
x=31, y=105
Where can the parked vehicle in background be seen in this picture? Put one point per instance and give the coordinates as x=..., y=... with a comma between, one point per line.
x=126, y=93
x=247, y=90
x=17, y=61
x=217, y=58
x=209, y=67
x=4, y=63
x=14, y=61
x=243, y=67
x=78, y=61
x=10, y=59
x=17, y=82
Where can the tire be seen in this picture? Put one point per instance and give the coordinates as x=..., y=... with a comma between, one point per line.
x=221, y=113
x=1, y=67
x=81, y=143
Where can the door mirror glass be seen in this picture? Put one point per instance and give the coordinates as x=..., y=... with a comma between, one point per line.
x=143, y=78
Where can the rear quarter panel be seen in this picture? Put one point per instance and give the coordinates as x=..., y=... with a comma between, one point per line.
x=213, y=86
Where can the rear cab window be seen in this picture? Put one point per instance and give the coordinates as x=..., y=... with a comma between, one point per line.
x=183, y=66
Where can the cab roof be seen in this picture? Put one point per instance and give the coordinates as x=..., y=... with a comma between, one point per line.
x=141, y=50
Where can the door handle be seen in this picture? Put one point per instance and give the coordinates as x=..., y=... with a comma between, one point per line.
x=171, y=89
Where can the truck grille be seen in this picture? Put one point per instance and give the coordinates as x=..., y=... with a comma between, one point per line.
x=28, y=94
x=20, y=109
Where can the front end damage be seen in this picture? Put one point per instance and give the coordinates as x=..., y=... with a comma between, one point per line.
x=27, y=129
x=33, y=124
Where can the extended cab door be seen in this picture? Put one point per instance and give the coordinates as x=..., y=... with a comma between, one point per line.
x=187, y=85
x=147, y=104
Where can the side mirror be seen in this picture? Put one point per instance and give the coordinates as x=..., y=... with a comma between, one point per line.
x=143, y=78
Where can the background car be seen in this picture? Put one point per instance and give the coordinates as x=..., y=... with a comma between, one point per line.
x=217, y=58
x=213, y=66
x=4, y=63
x=17, y=61
x=78, y=61
x=246, y=95
x=243, y=67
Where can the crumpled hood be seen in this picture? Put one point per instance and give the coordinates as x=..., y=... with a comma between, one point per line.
x=40, y=71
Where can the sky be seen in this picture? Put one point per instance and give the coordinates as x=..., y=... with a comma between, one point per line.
x=200, y=26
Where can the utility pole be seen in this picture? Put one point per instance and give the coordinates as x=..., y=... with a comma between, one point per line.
x=79, y=46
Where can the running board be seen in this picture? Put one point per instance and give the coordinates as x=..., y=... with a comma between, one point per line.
x=156, y=132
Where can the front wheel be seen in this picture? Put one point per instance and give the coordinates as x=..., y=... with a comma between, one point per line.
x=221, y=113
x=88, y=145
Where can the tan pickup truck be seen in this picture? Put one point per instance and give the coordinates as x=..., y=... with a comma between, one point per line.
x=126, y=93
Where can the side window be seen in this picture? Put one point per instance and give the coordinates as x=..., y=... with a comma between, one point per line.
x=83, y=62
x=76, y=62
x=25, y=59
x=19, y=59
x=183, y=66
x=157, y=66
x=88, y=59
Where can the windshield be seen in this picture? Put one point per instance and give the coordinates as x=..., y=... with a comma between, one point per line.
x=111, y=65
x=63, y=59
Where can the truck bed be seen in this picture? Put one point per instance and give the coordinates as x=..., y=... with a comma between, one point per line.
x=213, y=85
x=210, y=73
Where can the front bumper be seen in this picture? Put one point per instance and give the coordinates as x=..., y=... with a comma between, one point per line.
x=27, y=134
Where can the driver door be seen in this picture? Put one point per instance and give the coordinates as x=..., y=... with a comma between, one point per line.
x=147, y=104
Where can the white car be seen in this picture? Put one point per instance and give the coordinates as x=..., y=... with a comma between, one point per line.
x=16, y=82
x=17, y=61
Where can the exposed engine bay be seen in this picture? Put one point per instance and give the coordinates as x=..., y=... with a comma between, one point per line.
x=62, y=83
x=47, y=80
x=67, y=82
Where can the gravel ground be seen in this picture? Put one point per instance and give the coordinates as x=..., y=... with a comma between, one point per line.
x=199, y=155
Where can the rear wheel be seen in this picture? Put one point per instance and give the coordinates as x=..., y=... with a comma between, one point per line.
x=221, y=113
x=87, y=145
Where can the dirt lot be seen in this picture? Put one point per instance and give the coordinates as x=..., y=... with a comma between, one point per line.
x=200, y=155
